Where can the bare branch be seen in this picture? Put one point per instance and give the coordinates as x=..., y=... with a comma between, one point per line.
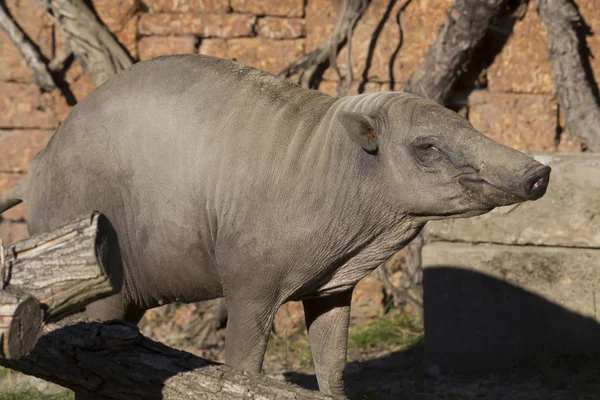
x=324, y=55
x=93, y=45
x=574, y=90
x=30, y=54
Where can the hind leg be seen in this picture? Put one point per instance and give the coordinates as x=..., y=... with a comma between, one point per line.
x=113, y=307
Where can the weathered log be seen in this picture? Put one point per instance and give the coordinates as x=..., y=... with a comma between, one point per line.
x=28, y=50
x=466, y=25
x=114, y=361
x=53, y=275
x=93, y=45
x=68, y=268
x=574, y=90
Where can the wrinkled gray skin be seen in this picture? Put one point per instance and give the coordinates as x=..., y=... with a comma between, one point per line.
x=222, y=180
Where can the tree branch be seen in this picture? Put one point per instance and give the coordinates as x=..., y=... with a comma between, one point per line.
x=464, y=29
x=573, y=89
x=30, y=54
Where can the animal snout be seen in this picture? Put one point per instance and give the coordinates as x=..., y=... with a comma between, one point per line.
x=536, y=182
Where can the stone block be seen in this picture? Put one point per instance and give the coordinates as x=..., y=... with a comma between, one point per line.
x=523, y=65
x=11, y=232
x=568, y=215
x=281, y=28
x=20, y=146
x=214, y=47
x=115, y=14
x=267, y=55
x=7, y=182
x=23, y=106
x=34, y=21
x=522, y=121
x=204, y=25
x=154, y=46
x=491, y=306
x=284, y=8
x=207, y=6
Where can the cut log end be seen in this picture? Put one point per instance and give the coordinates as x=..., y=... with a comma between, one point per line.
x=20, y=324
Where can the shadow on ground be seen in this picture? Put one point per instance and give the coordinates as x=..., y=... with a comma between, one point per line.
x=484, y=338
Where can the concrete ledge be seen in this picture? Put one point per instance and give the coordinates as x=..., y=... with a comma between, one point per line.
x=568, y=215
x=490, y=306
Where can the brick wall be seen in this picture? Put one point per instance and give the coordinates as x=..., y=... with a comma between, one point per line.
x=517, y=106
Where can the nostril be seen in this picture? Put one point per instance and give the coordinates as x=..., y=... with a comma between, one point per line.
x=540, y=183
x=537, y=184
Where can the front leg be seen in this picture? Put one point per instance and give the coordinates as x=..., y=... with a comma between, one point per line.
x=249, y=323
x=327, y=320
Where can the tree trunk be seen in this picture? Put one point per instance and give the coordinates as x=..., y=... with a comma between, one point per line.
x=93, y=45
x=53, y=275
x=114, y=361
x=575, y=94
x=447, y=58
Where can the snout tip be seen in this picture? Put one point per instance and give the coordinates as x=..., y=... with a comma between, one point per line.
x=537, y=182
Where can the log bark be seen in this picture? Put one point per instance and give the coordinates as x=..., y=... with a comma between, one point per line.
x=113, y=361
x=30, y=54
x=93, y=45
x=464, y=29
x=574, y=90
x=54, y=275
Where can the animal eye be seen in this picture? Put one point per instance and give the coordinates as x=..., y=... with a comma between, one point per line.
x=428, y=154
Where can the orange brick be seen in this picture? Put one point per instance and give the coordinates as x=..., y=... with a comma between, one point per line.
x=128, y=36
x=286, y=8
x=115, y=14
x=280, y=28
x=523, y=66
x=214, y=47
x=372, y=53
x=321, y=16
x=82, y=86
x=23, y=106
x=267, y=55
x=20, y=146
x=11, y=232
x=208, y=6
x=154, y=46
x=204, y=25
x=525, y=122
x=7, y=182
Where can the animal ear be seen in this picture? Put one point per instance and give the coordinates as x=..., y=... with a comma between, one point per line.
x=361, y=129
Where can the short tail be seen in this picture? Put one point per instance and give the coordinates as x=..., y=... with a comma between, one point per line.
x=14, y=197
